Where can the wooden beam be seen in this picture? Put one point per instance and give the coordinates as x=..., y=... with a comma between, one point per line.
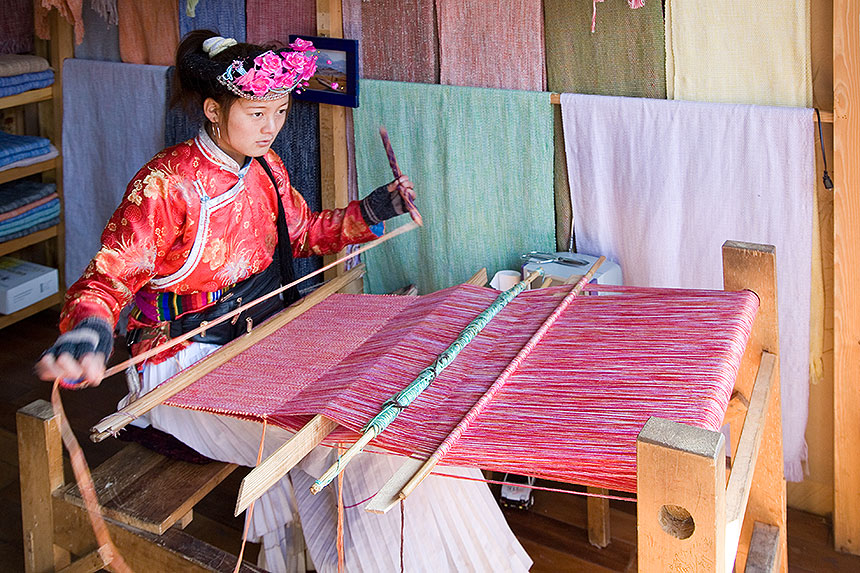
x=597, y=512
x=479, y=278
x=40, y=463
x=764, y=554
x=333, y=151
x=746, y=456
x=751, y=266
x=846, y=274
x=175, y=550
x=276, y=466
x=680, y=484
x=89, y=563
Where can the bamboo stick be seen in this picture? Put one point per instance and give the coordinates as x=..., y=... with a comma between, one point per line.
x=174, y=341
x=392, y=408
x=110, y=425
x=476, y=409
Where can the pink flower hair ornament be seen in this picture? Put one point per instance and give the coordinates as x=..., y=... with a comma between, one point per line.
x=274, y=74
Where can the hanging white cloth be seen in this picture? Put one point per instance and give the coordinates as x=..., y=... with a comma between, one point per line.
x=657, y=186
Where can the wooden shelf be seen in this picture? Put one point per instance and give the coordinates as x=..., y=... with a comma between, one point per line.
x=45, y=303
x=32, y=96
x=27, y=240
x=26, y=170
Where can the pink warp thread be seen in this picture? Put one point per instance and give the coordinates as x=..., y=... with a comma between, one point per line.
x=571, y=412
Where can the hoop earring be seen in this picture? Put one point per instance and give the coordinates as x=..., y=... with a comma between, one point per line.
x=217, y=130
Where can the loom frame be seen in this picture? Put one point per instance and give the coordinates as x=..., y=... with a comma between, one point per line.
x=739, y=525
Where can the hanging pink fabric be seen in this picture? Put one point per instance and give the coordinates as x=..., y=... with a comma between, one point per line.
x=397, y=39
x=274, y=20
x=71, y=10
x=492, y=44
x=148, y=31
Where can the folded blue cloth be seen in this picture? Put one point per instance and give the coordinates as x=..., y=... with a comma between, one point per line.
x=10, y=81
x=22, y=192
x=16, y=147
x=33, y=220
x=25, y=87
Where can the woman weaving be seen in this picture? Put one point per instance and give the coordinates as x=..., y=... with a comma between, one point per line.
x=211, y=222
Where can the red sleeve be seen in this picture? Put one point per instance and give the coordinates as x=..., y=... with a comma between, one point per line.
x=134, y=241
x=322, y=233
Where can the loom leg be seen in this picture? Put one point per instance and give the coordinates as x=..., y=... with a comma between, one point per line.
x=597, y=510
x=751, y=266
x=40, y=461
x=681, y=480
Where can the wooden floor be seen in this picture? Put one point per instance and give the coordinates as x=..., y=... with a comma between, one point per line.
x=552, y=532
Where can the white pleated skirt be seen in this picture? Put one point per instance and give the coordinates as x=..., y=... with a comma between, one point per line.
x=448, y=524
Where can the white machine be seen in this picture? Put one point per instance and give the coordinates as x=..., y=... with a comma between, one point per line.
x=562, y=266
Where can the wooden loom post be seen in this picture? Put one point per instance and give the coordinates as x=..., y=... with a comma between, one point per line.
x=679, y=526
x=40, y=447
x=680, y=506
x=333, y=152
x=846, y=274
x=747, y=266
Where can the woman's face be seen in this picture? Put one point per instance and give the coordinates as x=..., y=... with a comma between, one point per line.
x=251, y=127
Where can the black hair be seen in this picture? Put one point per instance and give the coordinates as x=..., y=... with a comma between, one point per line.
x=195, y=76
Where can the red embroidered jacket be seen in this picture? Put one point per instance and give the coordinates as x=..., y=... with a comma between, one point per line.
x=192, y=220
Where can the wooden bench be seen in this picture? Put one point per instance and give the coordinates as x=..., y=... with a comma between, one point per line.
x=146, y=498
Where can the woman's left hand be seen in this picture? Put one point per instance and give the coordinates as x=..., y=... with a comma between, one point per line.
x=403, y=186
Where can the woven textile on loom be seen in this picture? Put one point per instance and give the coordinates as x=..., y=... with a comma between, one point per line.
x=571, y=412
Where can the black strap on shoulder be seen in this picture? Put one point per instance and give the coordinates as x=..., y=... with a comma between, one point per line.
x=284, y=252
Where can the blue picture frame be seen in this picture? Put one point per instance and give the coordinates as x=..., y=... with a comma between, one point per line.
x=336, y=80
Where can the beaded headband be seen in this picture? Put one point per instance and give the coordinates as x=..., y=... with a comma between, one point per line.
x=273, y=74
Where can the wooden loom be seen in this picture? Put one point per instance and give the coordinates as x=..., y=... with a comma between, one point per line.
x=717, y=512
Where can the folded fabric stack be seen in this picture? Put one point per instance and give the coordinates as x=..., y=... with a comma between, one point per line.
x=27, y=207
x=21, y=73
x=17, y=147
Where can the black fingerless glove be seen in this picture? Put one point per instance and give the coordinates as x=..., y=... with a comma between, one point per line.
x=91, y=335
x=381, y=205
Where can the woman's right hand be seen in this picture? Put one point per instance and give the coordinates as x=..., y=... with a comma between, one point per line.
x=79, y=355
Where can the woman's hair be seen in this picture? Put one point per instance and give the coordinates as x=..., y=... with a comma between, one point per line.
x=195, y=76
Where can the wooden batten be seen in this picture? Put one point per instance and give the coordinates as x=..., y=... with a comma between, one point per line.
x=753, y=267
x=680, y=484
x=276, y=466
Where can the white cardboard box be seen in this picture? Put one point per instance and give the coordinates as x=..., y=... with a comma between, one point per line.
x=23, y=283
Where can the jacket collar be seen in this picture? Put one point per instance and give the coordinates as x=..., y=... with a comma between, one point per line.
x=218, y=156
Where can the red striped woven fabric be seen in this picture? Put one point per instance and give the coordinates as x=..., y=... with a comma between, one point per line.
x=570, y=412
